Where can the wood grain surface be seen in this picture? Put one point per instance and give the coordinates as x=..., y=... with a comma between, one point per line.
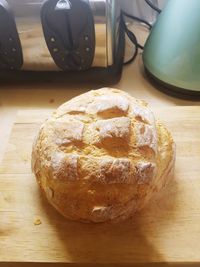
x=167, y=231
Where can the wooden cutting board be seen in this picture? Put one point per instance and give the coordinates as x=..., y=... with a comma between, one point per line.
x=167, y=231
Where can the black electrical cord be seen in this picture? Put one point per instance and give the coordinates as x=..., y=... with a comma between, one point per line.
x=132, y=38
x=137, y=19
x=131, y=35
x=153, y=6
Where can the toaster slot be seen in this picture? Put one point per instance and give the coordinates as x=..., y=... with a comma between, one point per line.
x=10, y=47
x=68, y=28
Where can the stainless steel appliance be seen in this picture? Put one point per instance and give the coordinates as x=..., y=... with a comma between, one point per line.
x=61, y=35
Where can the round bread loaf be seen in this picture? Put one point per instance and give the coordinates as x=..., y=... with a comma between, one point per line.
x=102, y=156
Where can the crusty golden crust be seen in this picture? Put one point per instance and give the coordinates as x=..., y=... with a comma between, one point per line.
x=102, y=156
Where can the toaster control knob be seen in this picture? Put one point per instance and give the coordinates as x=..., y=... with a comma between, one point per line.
x=11, y=57
x=64, y=32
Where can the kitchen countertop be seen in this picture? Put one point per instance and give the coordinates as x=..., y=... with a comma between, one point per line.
x=47, y=95
x=51, y=95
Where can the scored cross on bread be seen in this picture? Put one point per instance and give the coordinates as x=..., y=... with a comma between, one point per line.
x=102, y=156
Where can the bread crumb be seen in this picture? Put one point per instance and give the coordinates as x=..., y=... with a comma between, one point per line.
x=51, y=101
x=37, y=221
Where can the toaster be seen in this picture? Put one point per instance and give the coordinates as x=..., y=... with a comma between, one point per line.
x=81, y=38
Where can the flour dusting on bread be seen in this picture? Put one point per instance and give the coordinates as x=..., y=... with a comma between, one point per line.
x=101, y=156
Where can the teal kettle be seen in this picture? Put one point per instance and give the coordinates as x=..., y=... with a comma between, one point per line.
x=172, y=51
